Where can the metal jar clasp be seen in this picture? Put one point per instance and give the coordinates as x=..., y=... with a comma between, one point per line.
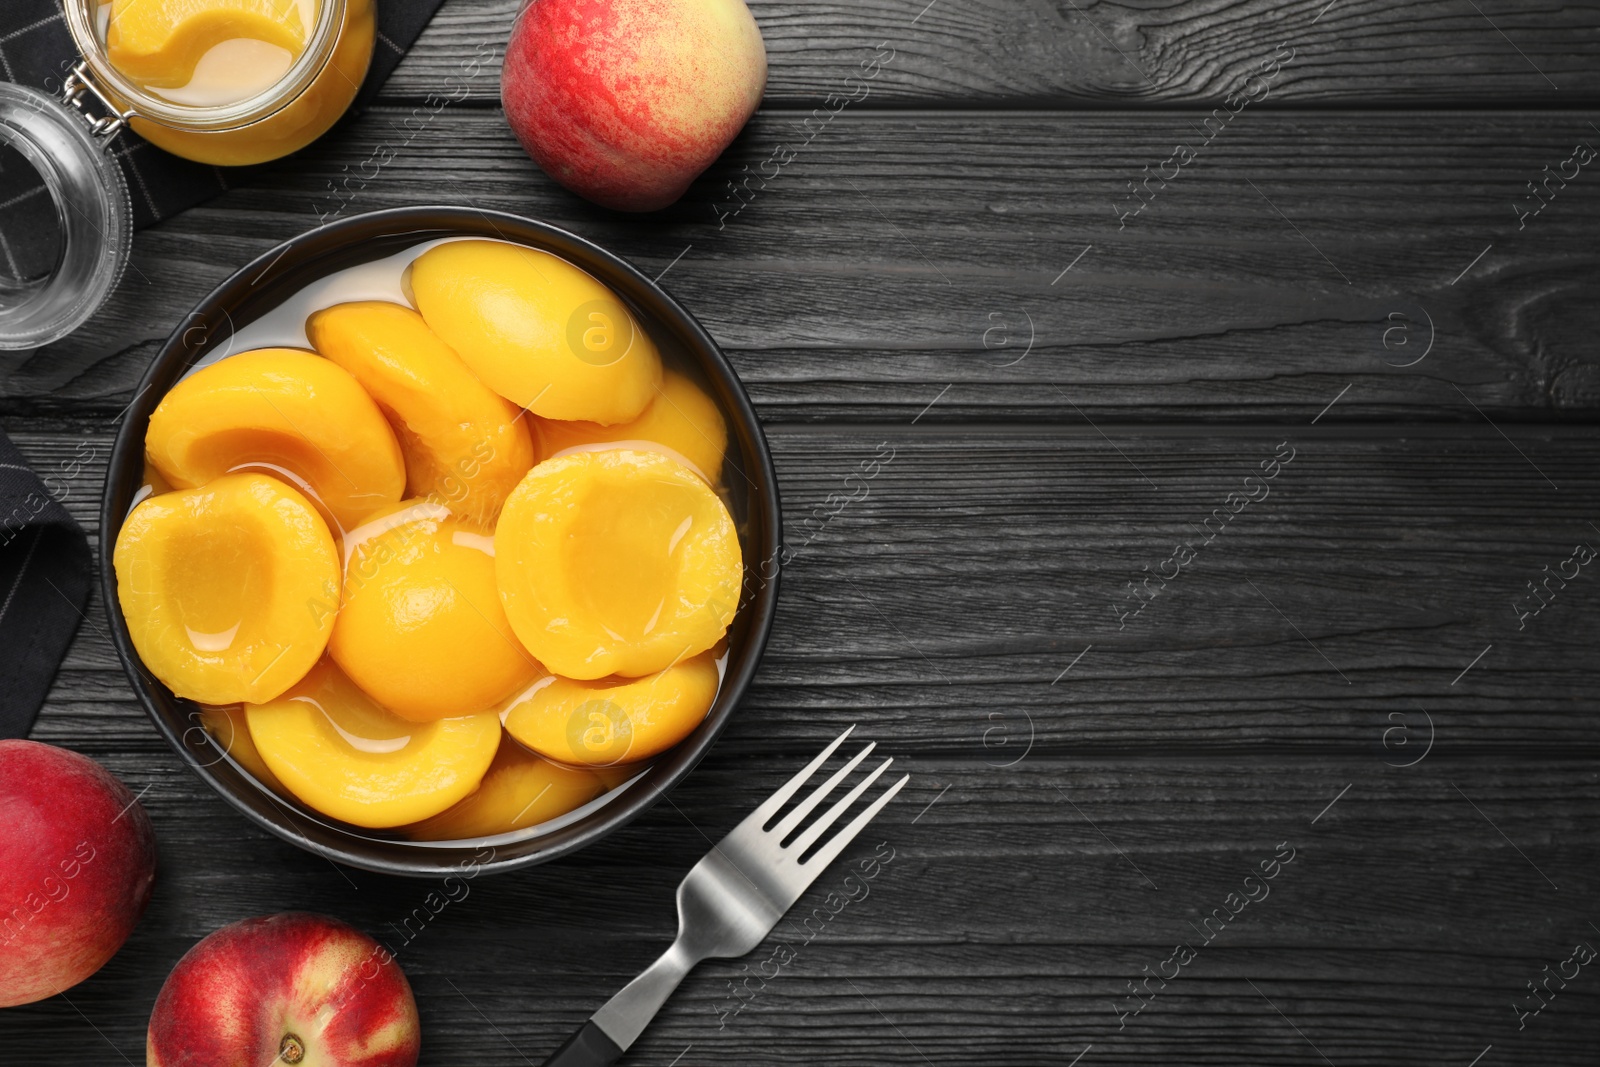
x=80, y=83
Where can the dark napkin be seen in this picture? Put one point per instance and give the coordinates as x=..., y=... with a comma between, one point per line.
x=36, y=50
x=45, y=571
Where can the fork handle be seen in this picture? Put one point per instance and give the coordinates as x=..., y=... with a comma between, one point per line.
x=619, y=1022
x=589, y=1047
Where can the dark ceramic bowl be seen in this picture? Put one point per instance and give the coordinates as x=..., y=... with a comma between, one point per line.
x=750, y=479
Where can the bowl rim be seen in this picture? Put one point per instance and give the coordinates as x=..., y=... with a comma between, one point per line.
x=178, y=353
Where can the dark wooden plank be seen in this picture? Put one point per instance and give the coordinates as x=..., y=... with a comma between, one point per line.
x=1055, y=53
x=1013, y=909
x=1338, y=611
x=1085, y=790
x=902, y=254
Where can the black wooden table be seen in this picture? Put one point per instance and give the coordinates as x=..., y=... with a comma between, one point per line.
x=1229, y=385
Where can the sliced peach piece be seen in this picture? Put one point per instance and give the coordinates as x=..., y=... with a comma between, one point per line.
x=160, y=42
x=153, y=479
x=226, y=589
x=614, y=720
x=681, y=418
x=341, y=753
x=537, y=330
x=616, y=562
x=463, y=444
x=421, y=627
x=228, y=726
x=284, y=410
x=521, y=789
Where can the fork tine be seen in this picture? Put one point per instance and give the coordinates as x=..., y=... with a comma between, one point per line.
x=791, y=820
x=829, y=852
x=831, y=816
x=788, y=789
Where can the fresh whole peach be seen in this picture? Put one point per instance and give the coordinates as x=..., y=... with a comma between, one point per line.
x=79, y=863
x=625, y=102
x=291, y=988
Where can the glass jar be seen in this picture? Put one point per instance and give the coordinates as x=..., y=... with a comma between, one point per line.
x=317, y=89
x=66, y=141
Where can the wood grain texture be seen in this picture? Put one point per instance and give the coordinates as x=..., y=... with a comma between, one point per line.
x=900, y=254
x=1013, y=909
x=939, y=273
x=947, y=579
x=1076, y=53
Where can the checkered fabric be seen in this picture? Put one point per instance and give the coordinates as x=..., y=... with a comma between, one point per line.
x=45, y=573
x=37, y=50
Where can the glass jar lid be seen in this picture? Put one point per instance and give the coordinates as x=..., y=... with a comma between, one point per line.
x=84, y=188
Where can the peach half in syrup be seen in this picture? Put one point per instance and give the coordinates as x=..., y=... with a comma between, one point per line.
x=421, y=627
x=616, y=720
x=616, y=562
x=463, y=444
x=680, y=418
x=215, y=585
x=539, y=331
x=283, y=409
x=521, y=789
x=341, y=753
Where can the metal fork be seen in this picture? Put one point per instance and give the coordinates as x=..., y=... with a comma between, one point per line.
x=731, y=900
